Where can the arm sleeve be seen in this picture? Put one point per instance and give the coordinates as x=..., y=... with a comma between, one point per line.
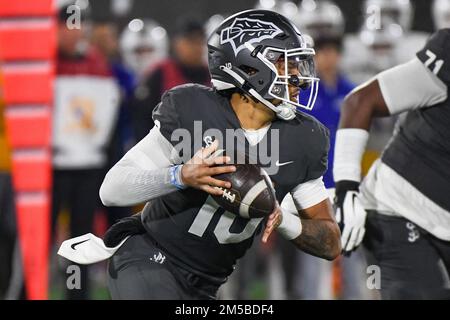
x=142, y=174
x=409, y=86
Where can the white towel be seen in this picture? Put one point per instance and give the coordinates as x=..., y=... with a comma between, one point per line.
x=87, y=249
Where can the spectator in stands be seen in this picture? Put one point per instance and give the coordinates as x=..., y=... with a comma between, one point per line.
x=105, y=38
x=85, y=111
x=186, y=65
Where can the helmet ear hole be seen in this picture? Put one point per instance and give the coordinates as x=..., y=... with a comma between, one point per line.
x=250, y=71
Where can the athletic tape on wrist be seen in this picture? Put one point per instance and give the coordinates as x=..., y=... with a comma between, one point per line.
x=175, y=176
x=291, y=225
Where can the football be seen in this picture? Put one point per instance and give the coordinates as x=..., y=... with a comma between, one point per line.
x=251, y=194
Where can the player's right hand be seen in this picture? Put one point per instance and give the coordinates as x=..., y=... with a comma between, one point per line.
x=198, y=171
x=273, y=222
x=350, y=215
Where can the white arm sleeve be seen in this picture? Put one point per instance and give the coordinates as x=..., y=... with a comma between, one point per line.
x=142, y=174
x=305, y=195
x=409, y=86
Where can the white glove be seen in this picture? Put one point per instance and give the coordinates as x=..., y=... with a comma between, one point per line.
x=351, y=218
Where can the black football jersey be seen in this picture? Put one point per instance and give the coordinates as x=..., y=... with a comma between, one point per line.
x=188, y=224
x=420, y=151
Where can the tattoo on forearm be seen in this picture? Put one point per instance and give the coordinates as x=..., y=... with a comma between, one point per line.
x=318, y=238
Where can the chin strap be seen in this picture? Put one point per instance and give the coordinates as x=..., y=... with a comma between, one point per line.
x=283, y=111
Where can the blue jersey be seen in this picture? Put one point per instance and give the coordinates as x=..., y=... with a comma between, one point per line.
x=124, y=78
x=127, y=83
x=327, y=110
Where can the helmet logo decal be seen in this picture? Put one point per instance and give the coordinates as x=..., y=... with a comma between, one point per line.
x=244, y=30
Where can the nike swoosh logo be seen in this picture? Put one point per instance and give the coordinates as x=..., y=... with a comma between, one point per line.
x=73, y=245
x=278, y=164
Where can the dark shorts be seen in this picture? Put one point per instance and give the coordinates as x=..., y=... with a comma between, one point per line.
x=141, y=270
x=413, y=263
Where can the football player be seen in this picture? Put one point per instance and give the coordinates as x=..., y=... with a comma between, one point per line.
x=320, y=17
x=384, y=40
x=285, y=7
x=441, y=14
x=143, y=43
x=187, y=245
x=406, y=192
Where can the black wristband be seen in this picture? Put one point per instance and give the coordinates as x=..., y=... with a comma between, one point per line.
x=341, y=189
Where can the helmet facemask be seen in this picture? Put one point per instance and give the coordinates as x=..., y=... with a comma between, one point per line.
x=294, y=75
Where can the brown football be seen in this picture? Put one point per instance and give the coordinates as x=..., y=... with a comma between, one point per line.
x=251, y=194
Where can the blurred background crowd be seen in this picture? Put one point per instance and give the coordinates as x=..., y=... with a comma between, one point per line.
x=110, y=73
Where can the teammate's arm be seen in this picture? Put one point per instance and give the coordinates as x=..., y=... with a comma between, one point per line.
x=403, y=88
x=362, y=105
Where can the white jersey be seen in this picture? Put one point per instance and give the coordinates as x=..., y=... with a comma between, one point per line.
x=410, y=179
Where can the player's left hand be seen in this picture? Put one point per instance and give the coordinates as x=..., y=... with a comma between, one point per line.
x=273, y=222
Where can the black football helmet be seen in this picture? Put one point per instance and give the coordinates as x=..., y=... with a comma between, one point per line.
x=263, y=54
